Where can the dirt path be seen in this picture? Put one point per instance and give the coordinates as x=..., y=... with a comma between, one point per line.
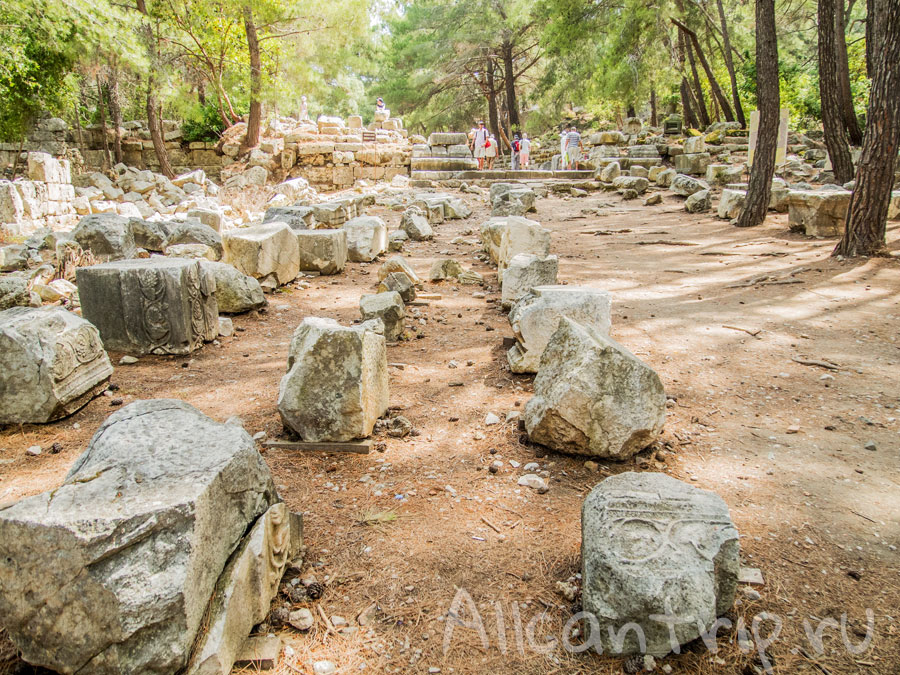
x=782, y=442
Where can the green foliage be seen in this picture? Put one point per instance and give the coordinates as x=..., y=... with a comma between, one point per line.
x=203, y=124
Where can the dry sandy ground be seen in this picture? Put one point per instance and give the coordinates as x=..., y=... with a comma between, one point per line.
x=407, y=528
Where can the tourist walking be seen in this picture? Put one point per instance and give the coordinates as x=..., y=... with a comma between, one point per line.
x=516, y=145
x=574, y=149
x=524, y=152
x=563, y=139
x=478, y=144
x=490, y=152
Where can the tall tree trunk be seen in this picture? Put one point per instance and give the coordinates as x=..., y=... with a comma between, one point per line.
x=156, y=134
x=631, y=110
x=872, y=36
x=867, y=216
x=493, y=115
x=759, y=192
x=654, y=119
x=830, y=93
x=115, y=109
x=104, y=132
x=512, y=104
x=255, y=120
x=848, y=112
x=713, y=82
x=698, y=88
x=729, y=63
x=687, y=103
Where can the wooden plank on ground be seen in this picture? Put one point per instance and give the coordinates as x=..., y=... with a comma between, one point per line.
x=356, y=447
x=428, y=296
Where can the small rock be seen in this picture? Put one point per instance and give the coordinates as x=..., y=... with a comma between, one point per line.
x=512, y=415
x=591, y=466
x=339, y=621
x=226, y=327
x=793, y=429
x=751, y=594
x=871, y=446
x=531, y=466
x=534, y=482
x=301, y=619
x=653, y=200
x=567, y=590
x=259, y=436
x=649, y=663
x=491, y=419
x=324, y=668
x=33, y=451
x=127, y=360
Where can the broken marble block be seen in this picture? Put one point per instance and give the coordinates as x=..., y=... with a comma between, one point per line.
x=244, y=592
x=535, y=318
x=106, y=235
x=51, y=363
x=818, y=213
x=416, y=225
x=336, y=386
x=399, y=282
x=322, y=251
x=389, y=308
x=366, y=238
x=522, y=236
x=150, y=306
x=269, y=251
x=731, y=203
x=236, y=292
x=593, y=397
x=492, y=234
x=510, y=199
x=659, y=556
x=399, y=264
x=524, y=272
x=112, y=572
x=448, y=268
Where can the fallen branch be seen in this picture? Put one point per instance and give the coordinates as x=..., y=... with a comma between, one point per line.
x=812, y=362
x=664, y=242
x=356, y=447
x=490, y=524
x=754, y=333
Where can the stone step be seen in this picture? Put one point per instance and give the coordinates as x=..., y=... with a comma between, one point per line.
x=522, y=175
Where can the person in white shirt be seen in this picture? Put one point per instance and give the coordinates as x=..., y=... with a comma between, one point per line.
x=573, y=149
x=563, y=138
x=490, y=152
x=524, y=151
x=478, y=142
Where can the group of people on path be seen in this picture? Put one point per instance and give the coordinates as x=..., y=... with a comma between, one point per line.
x=485, y=148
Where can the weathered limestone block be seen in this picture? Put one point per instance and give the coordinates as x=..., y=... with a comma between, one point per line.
x=244, y=592
x=45, y=168
x=336, y=386
x=610, y=172
x=366, y=238
x=399, y=282
x=236, y=292
x=448, y=268
x=112, y=572
x=398, y=264
x=331, y=214
x=416, y=225
x=151, y=235
x=192, y=251
x=656, y=553
x=106, y=235
x=723, y=174
x=442, y=138
x=535, y=318
x=195, y=233
x=685, y=186
x=731, y=203
x=214, y=219
x=18, y=257
x=389, y=308
x=593, y=397
x=522, y=236
x=694, y=144
x=51, y=361
x=268, y=250
x=699, y=202
x=14, y=293
x=665, y=177
x=692, y=164
x=322, y=251
x=818, y=213
x=635, y=183
x=524, y=272
x=153, y=306
x=297, y=217
x=511, y=200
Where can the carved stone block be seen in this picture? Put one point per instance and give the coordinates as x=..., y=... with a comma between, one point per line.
x=155, y=306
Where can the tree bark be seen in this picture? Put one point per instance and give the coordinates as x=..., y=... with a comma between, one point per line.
x=759, y=192
x=101, y=109
x=702, y=112
x=690, y=119
x=115, y=109
x=830, y=94
x=729, y=63
x=156, y=134
x=713, y=82
x=254, y=122
x=493, y=114
x=654, y=119
x=864, y=234
x=512, y=104
x=848, y=112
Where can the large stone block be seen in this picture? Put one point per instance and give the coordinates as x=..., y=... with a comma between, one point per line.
x=535, y=318
x=245, y=589
x=51, y=362
x=107, y=235
x=522, y=236
x=236, y=292
x=336, y=386
x=511, y=200
x=659, y=556
x=112, y=572
x=685, y=186
x=388, y=307
x=444, y=138
x=416, y=225
x=366, y=238
x=14, y=292
x=818, y=213
x=195, y=233
x=692, y=164
x=322, y=251
x=261, y=251
x=153, y=306
x=636, y=183
x=151, y=235
x=594, y=397
x=524, y=272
